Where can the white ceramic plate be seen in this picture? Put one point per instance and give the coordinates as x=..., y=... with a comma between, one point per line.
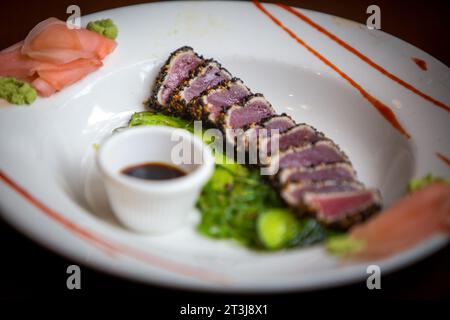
x=50, y=188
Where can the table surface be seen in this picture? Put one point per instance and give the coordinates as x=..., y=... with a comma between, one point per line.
x=29, y=270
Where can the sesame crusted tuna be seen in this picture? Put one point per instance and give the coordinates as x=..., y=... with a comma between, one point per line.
x=207, y=75
x=210, y=104
x=311, y=173
x=175, y=70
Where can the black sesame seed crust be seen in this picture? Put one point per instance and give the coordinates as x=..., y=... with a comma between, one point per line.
x=223, y=116
x=152, y=103
x=325, y=139
x=312, y=144
x=250, y=97
x=198, y=107
x=278, y=184
x=319, y=134
x=348, y=221
x=177, y=104
x=344, y=223
x=262, y=124
x=324, y=183
x=266, y=120
x=274, y=179
x=198, y=104
x=174, y=102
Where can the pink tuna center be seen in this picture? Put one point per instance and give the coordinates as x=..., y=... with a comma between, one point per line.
x=178, y=73
x=209, y=79
x=225, y=98
x=312, y=156
x=252, y=113
x=334, y=207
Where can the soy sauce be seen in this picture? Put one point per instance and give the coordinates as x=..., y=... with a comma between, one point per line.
x=154, y=171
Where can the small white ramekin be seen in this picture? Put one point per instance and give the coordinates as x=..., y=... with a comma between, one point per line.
x=153, y=206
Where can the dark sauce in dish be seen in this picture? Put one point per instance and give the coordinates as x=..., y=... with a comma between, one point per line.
x=154, y=171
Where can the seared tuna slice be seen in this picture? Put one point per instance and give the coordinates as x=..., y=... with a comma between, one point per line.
x=337, y=171
x=239, y=116
x=342, y=209
x=299, y=135
x=294, y=137
x=176, y=70
x=209, y=105
x=307, y=155
x=250, y=135
x=205, y=76
x=280, y=122
x=293, y=193
x=252, y=111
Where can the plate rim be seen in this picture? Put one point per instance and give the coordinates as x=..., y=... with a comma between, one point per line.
x=9, y=219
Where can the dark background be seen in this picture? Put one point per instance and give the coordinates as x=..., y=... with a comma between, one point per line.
x=30, y=271
x=425, y=24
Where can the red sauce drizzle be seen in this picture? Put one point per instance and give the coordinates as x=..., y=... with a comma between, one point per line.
x=420, y=63
x=384, y=110
x=362, y=56
x=443, y=158
x=108, y=246
x=74, y=228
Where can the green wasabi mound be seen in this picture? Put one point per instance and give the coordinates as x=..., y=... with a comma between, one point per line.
x=16, y=91
x=419, y=183
x=105, y=27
